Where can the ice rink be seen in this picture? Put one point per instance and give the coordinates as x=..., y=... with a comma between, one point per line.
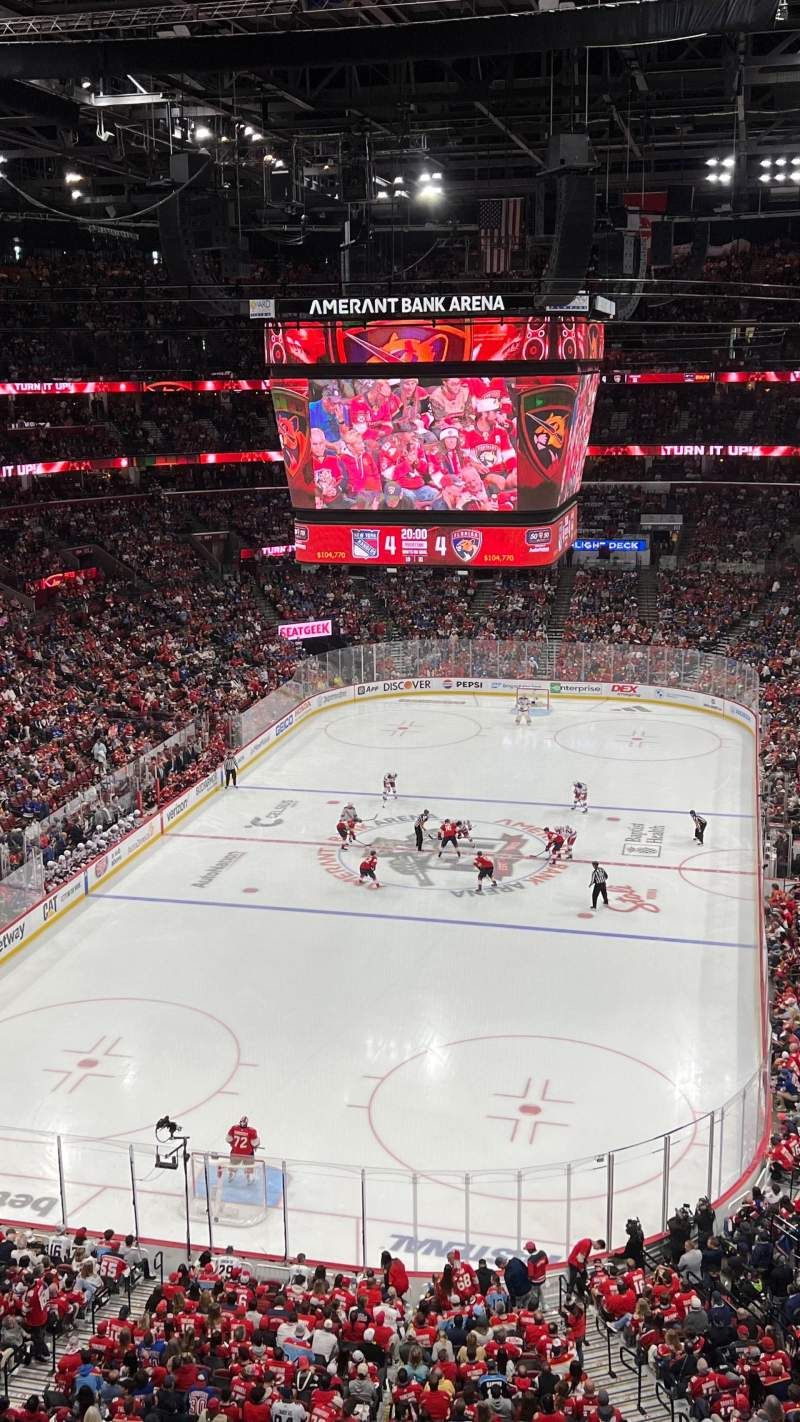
x=418, y=1032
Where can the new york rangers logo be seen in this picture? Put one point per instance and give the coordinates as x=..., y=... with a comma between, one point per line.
x=366, y=542
x=466, y=543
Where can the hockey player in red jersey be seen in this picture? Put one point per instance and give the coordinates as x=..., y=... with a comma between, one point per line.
x=367, y=869
x=448, y=835
x=346, y=830
x=243, y=1140
x=555, y=843
x=485, y=868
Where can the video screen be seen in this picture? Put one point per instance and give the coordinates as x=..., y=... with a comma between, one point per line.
x=456, y=444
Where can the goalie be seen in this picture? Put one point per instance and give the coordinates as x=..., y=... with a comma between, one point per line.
x=523, y=710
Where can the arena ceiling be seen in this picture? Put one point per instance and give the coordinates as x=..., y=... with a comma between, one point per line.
x=314, y=113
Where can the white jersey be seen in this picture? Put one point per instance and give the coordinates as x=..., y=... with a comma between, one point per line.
x=389, y=786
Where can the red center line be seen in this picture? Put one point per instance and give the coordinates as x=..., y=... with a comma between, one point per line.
x=403, y=844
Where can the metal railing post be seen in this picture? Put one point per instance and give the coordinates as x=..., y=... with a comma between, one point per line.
x=364, y=1218
x=609, y=1197
x=721, y=1139
x=743, y=1100
x=62, y=1189
x=665, y=1182
x=415, y=1217
x=710, y=1176
x=209, y=1210
x=466, y=1210
x=519, y=1209
x=285, y=1202
x=134, y=1197
x=568, y=1222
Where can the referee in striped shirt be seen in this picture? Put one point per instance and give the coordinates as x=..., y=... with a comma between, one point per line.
x=598, y=883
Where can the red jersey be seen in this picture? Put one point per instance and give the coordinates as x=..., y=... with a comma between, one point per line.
x=482, y=861
x=491, y=450
x=447, y=828
x=369, y=863
x=242, y=1139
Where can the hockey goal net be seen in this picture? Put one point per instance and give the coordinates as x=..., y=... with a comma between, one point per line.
x=238, y=1194
x=537, y=697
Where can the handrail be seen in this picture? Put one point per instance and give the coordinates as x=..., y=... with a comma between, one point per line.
x=636, y=1367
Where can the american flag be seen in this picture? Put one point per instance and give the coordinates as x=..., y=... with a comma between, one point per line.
x=500, y=223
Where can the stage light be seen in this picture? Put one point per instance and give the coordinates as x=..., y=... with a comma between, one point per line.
x=86, y=83
x=201, y=133
x=249, y=130
x=780, y=177
x=436, y=177
x=424, y=178
x=75, y=194
x=724, y=177
x=71, y=177
x=398, y=182
x=795, y=162
x=780, y=162
x=765, y=178
x=766, y=162
x=795, y=175
x=713, y=177
x=279, y=163
x=712, y=162
x=382, y=195
x=430, y=192
x=256, y=137
x=269, y=157
x=728, y=162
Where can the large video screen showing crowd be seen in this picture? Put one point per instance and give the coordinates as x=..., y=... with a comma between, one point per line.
x=457, y=443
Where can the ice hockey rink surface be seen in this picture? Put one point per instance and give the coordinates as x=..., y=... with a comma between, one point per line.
x=417, y=1032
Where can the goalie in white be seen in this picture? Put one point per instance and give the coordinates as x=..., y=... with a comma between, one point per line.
x=523, y=710
x=580, y=797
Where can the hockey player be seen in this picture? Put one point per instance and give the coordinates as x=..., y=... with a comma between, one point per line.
x=346, y=829
x=485, y=868
x=419, y=827
x=699, y=826
x=349, y=813
x=580, y=796
x=243, y=1140
x=570, y=836
x=523, y=715
x=390, y=786
x=464, y=831
x=448, y=835
x=367, y=869
x=555, y=843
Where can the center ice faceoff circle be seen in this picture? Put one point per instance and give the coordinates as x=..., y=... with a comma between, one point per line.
x=520, y=1101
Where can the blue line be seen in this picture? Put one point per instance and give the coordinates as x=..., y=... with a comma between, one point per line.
x=419, y=918
x=501, y=800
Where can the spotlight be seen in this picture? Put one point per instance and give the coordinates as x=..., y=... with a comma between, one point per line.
x=424, y=178
x=86, y=83
x=398, y=182
x=713, y=177
x=765, y=178
x=724, y=177
x=728, y=162
x=201, y=133
x=766, y=162
x=712, y=162
x=249, y=130
x=780, y=162
x=780, y=177
x=75, y=194
x=383, y=196
x=71, y=177
x=256, y=137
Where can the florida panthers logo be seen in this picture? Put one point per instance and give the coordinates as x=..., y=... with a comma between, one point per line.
x=404, y=343
x=466, y=543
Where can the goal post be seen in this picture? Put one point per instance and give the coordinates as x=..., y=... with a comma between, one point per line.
x=537, y=695
x=237, y=1194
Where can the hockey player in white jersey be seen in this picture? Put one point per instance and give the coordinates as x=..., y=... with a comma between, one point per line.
x=570, y=835
x=523, y=711
x=390, y=786
x=580, y=797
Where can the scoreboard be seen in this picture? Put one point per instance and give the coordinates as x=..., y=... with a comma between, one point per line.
x=476, y=545
x=447, y=430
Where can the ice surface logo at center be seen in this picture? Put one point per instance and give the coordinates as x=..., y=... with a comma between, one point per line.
x=518, y=856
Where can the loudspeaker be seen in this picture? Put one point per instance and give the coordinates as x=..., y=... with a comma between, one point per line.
x=661, y=244
x=566, y=269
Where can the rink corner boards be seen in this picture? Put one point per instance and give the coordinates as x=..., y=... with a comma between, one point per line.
x=28, y=926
